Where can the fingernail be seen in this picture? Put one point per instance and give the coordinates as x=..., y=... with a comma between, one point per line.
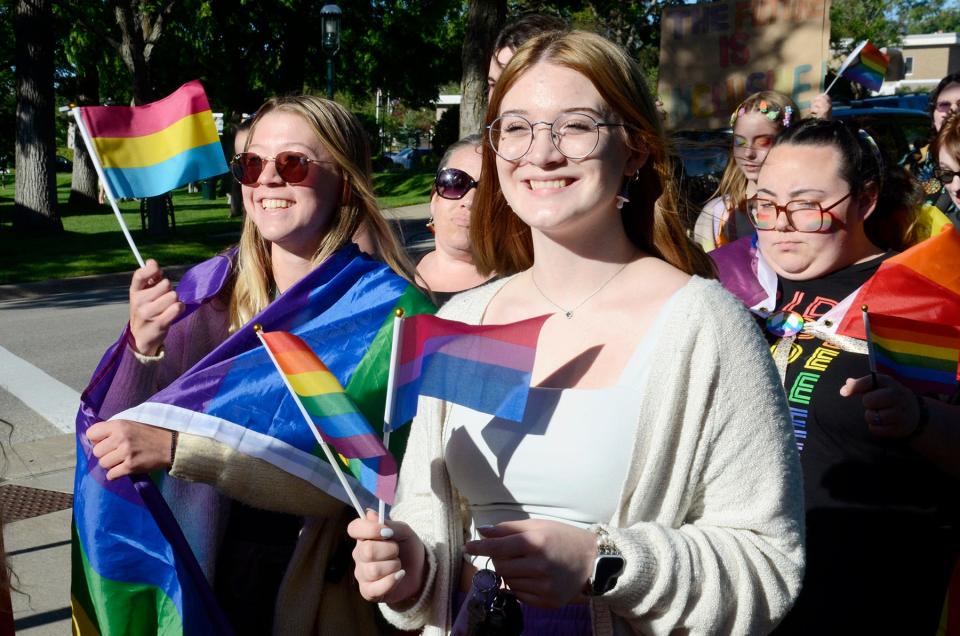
x=399, y=575
x=482, y=529
x=387, y=533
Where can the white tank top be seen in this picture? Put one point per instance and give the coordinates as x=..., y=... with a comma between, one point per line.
x=566, y=461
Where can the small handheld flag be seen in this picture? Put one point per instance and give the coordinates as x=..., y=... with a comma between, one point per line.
x=483, y=367
x=922, y=356
x=146, y=151
x=333, y=416
x=866, y=65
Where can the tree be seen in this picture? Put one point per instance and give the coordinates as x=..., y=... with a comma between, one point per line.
x=35, y=201
x=485, y=18
x=852, y=21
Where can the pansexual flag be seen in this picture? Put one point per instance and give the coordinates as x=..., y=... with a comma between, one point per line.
x=867, y=65
x=483, y=367
x=148, y=150
x=339, y=422
x=923, y=356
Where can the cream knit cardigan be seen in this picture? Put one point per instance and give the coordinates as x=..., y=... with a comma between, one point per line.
x=710, y=519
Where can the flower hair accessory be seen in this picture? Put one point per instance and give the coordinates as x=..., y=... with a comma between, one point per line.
x=764, y=108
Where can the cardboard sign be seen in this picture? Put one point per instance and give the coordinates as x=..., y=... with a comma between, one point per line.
x=714, y=55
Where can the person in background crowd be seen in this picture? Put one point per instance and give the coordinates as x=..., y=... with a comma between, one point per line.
x=879, y=461
x=946, y=148
x=944, y=99
x=449, y=268
x=306, y=190
x=512, y=37
x=755, y=122
x=640, y=441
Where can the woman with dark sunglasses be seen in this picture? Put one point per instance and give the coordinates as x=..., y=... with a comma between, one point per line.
x=879, y=461
x=274, y=551
x=449, y=268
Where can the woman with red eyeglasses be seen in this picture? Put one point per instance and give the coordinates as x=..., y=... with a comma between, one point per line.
x=449, y=268
x=273, y=551
x=879, y=461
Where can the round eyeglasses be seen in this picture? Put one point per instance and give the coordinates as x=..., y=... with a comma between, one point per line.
x=575, y=135
x=293, y=167
x=453, y=183
x=803, y=216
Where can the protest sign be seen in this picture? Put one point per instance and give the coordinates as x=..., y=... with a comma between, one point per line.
x=714, y=55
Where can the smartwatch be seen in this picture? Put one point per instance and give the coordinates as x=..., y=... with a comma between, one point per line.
x=607, y=567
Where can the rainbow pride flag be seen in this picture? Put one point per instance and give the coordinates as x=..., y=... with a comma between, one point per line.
x=336, y=417
x=138, y=555
x=148, y=150
x=922, y=356
x=866, y=65
x=483, y=367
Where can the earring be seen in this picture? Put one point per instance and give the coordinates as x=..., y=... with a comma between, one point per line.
x=430, y=226
x=624, y=196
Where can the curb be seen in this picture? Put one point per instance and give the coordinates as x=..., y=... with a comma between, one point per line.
x=39, y=289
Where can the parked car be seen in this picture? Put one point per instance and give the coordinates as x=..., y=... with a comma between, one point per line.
x=62, y=164
x=407, y=157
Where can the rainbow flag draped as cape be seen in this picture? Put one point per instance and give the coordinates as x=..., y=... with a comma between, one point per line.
x=483, y=367
x=133, y=569
x=337, y=418
x=148, y=150
x=923, y=356
x=866, y=65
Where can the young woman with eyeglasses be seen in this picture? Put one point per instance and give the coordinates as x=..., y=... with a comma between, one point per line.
x=270, y=550
x=879, y=462
x=755, y=123
x=944, y=100
x=649, y=489
x=449, y=267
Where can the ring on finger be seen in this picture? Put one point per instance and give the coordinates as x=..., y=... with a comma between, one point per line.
x=877, y=418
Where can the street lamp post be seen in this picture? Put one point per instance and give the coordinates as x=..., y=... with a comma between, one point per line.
x=330, y=16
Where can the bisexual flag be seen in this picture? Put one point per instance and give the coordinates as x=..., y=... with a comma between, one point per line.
x=483, y=367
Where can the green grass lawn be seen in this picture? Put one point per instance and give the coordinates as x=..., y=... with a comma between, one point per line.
x=92, y=243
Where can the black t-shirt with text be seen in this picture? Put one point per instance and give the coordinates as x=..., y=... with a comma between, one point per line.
x=880, y=540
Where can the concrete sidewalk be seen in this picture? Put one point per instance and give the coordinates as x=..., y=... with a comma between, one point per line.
x=35, y=474
x=38, y=545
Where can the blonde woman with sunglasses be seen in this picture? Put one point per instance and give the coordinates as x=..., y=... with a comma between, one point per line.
x=270, y=552
x=449, y=268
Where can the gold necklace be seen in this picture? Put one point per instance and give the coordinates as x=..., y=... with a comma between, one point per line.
x=569, y=312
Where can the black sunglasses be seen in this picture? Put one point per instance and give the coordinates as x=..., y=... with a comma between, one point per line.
x=454, y=184
x=293, y=167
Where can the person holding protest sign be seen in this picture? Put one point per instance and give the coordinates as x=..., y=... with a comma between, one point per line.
x=275, y=554
x=648, y=485
x=879, y=460
x=755, y=123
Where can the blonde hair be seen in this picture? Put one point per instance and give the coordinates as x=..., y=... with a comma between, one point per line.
x=344, y=138
x=780, y=109
x=502, y=242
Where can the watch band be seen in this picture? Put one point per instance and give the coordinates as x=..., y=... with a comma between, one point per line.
x=607, y=567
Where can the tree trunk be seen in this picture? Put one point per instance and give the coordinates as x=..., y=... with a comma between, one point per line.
x=35, y=201
x=484, y=20
x=133, y=50
x=83, y=187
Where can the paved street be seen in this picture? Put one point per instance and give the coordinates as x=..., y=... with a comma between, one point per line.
x=52, y=335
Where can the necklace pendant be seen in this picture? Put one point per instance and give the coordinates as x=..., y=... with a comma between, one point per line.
x=568, y=314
